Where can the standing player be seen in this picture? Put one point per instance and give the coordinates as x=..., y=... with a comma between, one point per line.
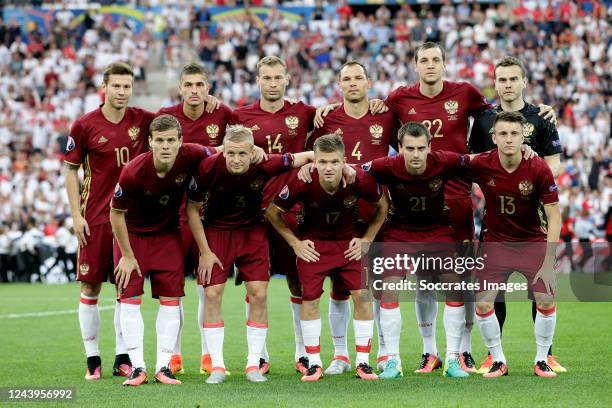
x=515, y=191
x=229, y=194
x=145, y=220
x=279, y=127
x=207, y=129
x=102, y=142
x=416, y=180
x=444, y=107
x=541, y=135
x=368, y=137
x=330, y=245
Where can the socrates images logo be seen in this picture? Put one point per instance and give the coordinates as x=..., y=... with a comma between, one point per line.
x=70, y=145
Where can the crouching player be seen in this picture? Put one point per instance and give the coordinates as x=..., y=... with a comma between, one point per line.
x=328, y=245
x=224, y=214
x=144, y=217
x=416, y=180
x=515, y=191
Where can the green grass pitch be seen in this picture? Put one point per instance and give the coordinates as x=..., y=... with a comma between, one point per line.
x=46, y=351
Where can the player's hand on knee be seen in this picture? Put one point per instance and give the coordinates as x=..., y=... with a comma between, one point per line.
x=81, y=229
x=547, y=275
x=124, y=270
x=378, y=106
x=206, y=264
x=305, y=173
x=259, y=155
x=322, y=112
x=305, y=250
x=212, y=104
x=354, y=251
x=548, y=113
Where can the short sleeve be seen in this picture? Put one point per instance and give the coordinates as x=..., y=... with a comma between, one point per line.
x=290, y=194
x=124, y=190
x=550, y=142
x=378, y=167
x=277, y=164
x=370, y=190
x=392, y=100
x=476, y=100
x=76, y=148
x=547, y=186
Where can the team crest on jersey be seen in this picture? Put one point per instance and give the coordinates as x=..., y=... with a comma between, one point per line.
x=377, y=133
x=435, y=184
x=212, y=131
x=118, y=191
x=451, y=106
x=349, y=202
x=133, y=132
x=292, y=122
x=180, y=179
x=70, y=145
x=528, y=129
x=84, y=269
x=525, y=187
x=256, y=184
x=284, y=194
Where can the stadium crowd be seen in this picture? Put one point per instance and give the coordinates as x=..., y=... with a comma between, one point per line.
x=46, y=82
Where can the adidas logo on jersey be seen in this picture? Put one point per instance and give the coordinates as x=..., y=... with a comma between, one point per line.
x=102, y=139
x=412, y=111
x=491, y=183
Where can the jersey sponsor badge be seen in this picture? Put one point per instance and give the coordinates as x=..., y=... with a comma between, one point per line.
x=193, y=185
x=284, y=194
x=70, y=145
x=118, y=191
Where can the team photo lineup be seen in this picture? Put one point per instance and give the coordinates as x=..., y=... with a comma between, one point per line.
x=196, y=201
x=249, y=176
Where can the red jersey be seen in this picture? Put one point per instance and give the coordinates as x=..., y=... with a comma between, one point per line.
x=280, y=132
x=514, y=200
x=232, y=201
x=329, y=217
x=417, y=201
x=366, y=138
x=207, y=130
x=152, y=203
x=446, y=115
x=104, y=148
